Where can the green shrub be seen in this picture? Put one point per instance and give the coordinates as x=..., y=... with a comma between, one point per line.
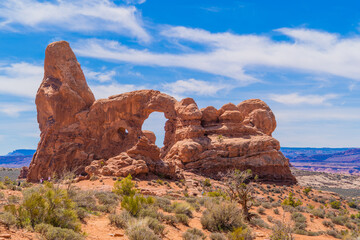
x=240, y=234
x=222, y=217
x=207, y=182
x=46, y=204
x=132, y=204
x=291, y=201
x=149, y=211
x=120, y=220
x=276, y=211
x=125, y=187
x=193, y=234
x=217, y=236
x=50, y=232
x=335, y=204
x=182, y=218
x=139, y=230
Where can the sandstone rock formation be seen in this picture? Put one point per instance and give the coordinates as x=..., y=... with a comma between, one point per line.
x=105, y=136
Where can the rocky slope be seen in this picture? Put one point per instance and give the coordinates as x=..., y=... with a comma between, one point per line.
x=105, y=137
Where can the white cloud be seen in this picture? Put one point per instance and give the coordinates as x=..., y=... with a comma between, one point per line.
x=295, y=99
x=335, y=114
x=104, y=91
x=105, y=76
x=229, y=55
x=193, y=86
x=21, y=79
x=14, y=110
x=135, y=1
x=73, y=15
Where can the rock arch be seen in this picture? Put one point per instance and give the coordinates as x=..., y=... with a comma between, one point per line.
x=105, y=137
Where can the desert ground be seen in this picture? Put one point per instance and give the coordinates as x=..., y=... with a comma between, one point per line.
x=177, y=206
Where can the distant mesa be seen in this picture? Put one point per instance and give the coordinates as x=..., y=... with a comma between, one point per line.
x=17, y=158
x=105, y=137
x=22, y=152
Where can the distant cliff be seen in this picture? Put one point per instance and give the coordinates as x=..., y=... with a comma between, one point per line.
x=339, y=160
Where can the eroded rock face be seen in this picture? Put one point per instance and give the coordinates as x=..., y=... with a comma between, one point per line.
x=105, y=137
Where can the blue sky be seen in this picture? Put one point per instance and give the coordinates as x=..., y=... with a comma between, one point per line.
x=302, y=58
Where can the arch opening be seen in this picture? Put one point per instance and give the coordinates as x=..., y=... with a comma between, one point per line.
x=156, y=124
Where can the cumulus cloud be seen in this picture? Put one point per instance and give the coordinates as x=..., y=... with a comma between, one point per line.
x=230, y=55
x=73, y=15
x=20, y=79
x=295, y=99
x=193, y=86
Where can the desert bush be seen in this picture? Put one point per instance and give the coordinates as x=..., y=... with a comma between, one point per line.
x=307, y=190
x=133, y=204
x=261, y=210
x=120, y=220
x=318, y=212
x=84, y=199
x=335, y=204
x=46, y=204
x=217, y=236
x=281, y=231
x=182, y=208
x=350, y=226
x=276, y=211
x=169, y=219
x=182, y=218
x=328, y=224
x=240, y=234
x=149, y=211
x=125, y=187
x=334, y=233
x=257, y=221
x=206, y=183
x=291, y=201
x=288, y=208
x=139, y=230
x=340, y=220
x=222, y=217
x=193, y=234
x=266, y=205
x=155, y=225
x=300, y=220
x=7, y=219
x=270, y=218
x=50, y=232
x=107, y=198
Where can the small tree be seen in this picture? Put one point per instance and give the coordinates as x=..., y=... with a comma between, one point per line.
x=240, y=189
